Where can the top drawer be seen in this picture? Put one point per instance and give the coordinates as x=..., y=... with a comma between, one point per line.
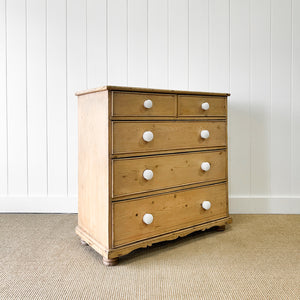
x=143, y=104
x=201, y=106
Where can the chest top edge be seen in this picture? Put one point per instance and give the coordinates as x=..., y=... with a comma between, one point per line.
x=148, y=90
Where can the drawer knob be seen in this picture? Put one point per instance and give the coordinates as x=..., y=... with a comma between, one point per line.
x=147, y=219
x=147, y=136
x=148, y=174
x=206, y=205
x=204, y=134
x=205, y=166
x=148, y=103
x=205, y=106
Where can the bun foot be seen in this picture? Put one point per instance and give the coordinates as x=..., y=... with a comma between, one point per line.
x=110, y=261
x=221, y=228
x=84, y=243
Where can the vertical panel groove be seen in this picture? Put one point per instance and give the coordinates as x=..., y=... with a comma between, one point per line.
x=270, y=103
x=188, y=44
x=208, y=44
x=250, y=103
x=67, y=105
x=229, y=46
x=168, y=37
x=7, y=149
x=106, y=39
x=46, y=87
x=292, y=104
x=127, y=53
x=86, y=45
x=228, y=101
x=147, y=47
x=26, y=91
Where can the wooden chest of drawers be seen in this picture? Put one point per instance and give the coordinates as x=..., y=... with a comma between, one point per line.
x=152, y=167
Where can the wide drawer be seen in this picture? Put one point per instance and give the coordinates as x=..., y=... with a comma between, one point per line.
x=201, y=106
x=130, y=175
x=128, y=137
x=170, y=212
x=133, y=104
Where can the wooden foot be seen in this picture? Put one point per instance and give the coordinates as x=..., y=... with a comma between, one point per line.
x=221, y=228
x=110, y=261
x=84, y=243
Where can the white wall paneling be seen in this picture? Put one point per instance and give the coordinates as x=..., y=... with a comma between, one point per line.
x=198, y=45
x=295, y=104
x=239, y=102
x=158, y=44
x=178, y=44
x=96, y=42
x=219, y=40
x=280, y=121
x=260, y=97
x=16, y=33
x=137, y=42
x=36, y=98
x=49, y=49
x=57, y=97
x=76, y=80
x=117, y=42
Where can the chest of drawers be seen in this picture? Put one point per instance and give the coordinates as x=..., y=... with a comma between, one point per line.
x=152, y=167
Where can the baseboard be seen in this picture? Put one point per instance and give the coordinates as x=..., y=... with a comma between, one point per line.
x=264, y=205
x=38, y=204
x=63, y=204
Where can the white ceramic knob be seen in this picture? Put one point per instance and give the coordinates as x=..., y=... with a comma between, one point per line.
x=205, y=166
x=148, y=103
x=204, y=134
x=147, y=219
x=147, y=136
x=206, y=205
x=205, y=106
x=148, y=174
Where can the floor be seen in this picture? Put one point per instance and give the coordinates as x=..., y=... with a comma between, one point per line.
x=257, y=257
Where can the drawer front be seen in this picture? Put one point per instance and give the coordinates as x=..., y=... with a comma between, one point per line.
x=133, y=104
x=193, y=106
x=131, y=176
x=128, y=137
x=170, y=212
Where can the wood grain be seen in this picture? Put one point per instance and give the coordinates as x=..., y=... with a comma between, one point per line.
x=128, y=136
x=169, y=171
x=191, y=106
x=114, y=196
x=132, y=104
x=93, y=166
x=123, y=250
x=170, y=212
x=148, y=90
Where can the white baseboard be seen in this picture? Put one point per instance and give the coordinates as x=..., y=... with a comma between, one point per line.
x=264, y=205
x=64, y=204
x=38, y=204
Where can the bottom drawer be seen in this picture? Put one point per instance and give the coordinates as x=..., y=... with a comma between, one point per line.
x=170, y=212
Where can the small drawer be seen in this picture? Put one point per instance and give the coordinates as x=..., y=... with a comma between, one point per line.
x=143, y=104
x=139, y=219
x=201, y=106
x=142, y=136
x=137, y=175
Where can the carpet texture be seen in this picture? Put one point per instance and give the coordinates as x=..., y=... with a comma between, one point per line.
x=257, y=257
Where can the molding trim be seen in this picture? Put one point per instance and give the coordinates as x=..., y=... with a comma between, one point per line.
x=69, y=204
x=38, y=204
x=264, y=205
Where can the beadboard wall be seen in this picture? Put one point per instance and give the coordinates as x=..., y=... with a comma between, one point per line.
x=51, y=48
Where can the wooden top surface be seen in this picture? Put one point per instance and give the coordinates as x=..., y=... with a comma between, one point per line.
x=147, y=90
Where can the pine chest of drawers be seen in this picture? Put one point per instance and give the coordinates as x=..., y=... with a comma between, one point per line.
x=152, y=167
